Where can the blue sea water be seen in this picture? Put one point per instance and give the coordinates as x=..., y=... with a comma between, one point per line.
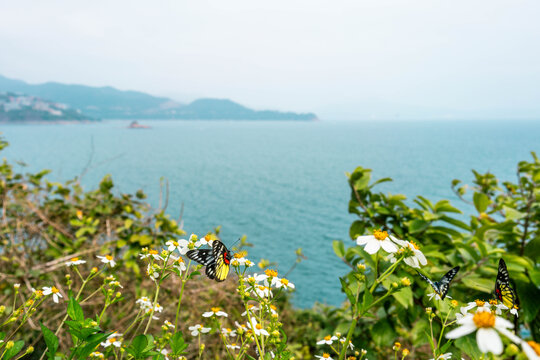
x=282, y=184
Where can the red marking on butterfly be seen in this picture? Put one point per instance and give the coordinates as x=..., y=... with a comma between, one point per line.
x=225, y=258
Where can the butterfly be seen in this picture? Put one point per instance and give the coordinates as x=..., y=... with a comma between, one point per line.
x=217, y=260
x=441, y=287
x=503, y=290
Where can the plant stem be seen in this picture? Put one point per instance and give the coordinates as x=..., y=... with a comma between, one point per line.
x=180, y=297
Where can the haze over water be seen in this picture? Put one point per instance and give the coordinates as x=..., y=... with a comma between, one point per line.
x=280, y=183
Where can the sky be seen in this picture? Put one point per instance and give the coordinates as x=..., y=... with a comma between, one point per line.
x=340, y=59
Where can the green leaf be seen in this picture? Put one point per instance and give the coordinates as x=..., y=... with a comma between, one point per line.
x=481, y=201
x=345, y=287
x=177, y=344
x=51, y=341
x=339, y=248
x=528, y=295
x=138, y=346
x=478, y=283
x=404, y=296
x=357, y=228
x=74, y=310
x=383, y=333
x=14, y=350
x=512, y=214
x=468, y=345
x=417, y=226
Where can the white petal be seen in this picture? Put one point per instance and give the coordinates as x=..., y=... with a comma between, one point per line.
x=398, y=241
x=489, y=341
x=389, y=246
x=412, y=262
x=420, y=256
x=509, y=335
x=461, y=331
x=362, y=240
x=372, y=247
x=501, y=323
x=529, y=351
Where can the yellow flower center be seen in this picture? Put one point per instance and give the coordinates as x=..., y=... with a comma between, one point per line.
x=535, y=346
x=258, y=327
x=228, y=330
x=207, y=237
x=54, y=290
x=75, y=259
x=180, y=260
x=233, y=344
x=285, y=282
x=271, y=273
x=38, y=293
x=454, y=303
x=327, y=337
x=216, y=309
x=273, y=307
x=405, y=352
x=111, y=340
x=492, y=302
x=325, y=356
x=415, y=245
x=108, y=257
x=380, y=235
x=397, y=345
x=153, y=252
x=480, y=302
x=240, y=254
x=484, y=319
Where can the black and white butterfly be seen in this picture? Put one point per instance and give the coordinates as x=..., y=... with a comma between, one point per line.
x=217, y=260
x=441, y=287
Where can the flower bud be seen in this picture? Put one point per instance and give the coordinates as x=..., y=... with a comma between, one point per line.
x=395, y=285
x=397, y=346
x=2, y=310
x=405, y=352
x=94, y=270
x=429, y=310
x=511, y=350
x=405, y=281
x=9, y=344
x=361, y=267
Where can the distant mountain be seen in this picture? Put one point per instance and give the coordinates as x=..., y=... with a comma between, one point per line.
x=17, y=107
x=110, y=103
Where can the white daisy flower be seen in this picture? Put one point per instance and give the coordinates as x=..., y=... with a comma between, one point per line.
x=251, y=309
x=198, y=329
x=54, y=291
x=487, y=327
x=158, y=308
x=168, y=324
x=328, y=340
x=152, y=271
x=164, y=352
x=282, y=283
x=206, y=240
x=113, y=339
x=107, y=259
x=379, y=239
x=437, y=296
x=481, y=305
x=324, y=356
x=233, y=346
x=416, y=258
x=144, y=302
x=75, y=261
x=215, y=311
x=257, y=328
x=263, y=291
x=228, y=332
x=180, y=245
x=151, y=253
x=179, y=264
x=342, y=341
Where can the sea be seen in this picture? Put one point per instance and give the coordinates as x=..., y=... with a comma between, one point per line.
x=282, y=184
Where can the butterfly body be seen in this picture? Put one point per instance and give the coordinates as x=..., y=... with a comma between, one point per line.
x=217, y=260
x=441, y=287
x=503, y=290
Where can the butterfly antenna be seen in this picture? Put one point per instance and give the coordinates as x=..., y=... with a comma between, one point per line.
x=236, y=242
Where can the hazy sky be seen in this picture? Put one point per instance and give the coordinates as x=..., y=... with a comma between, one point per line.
x=336, y=58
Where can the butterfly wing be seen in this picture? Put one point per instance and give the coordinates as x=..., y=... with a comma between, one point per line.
x=444, y=283
x=202, y=256
x=504, y=291
x=435, y=286
x=221, y=254
x=211, y=270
